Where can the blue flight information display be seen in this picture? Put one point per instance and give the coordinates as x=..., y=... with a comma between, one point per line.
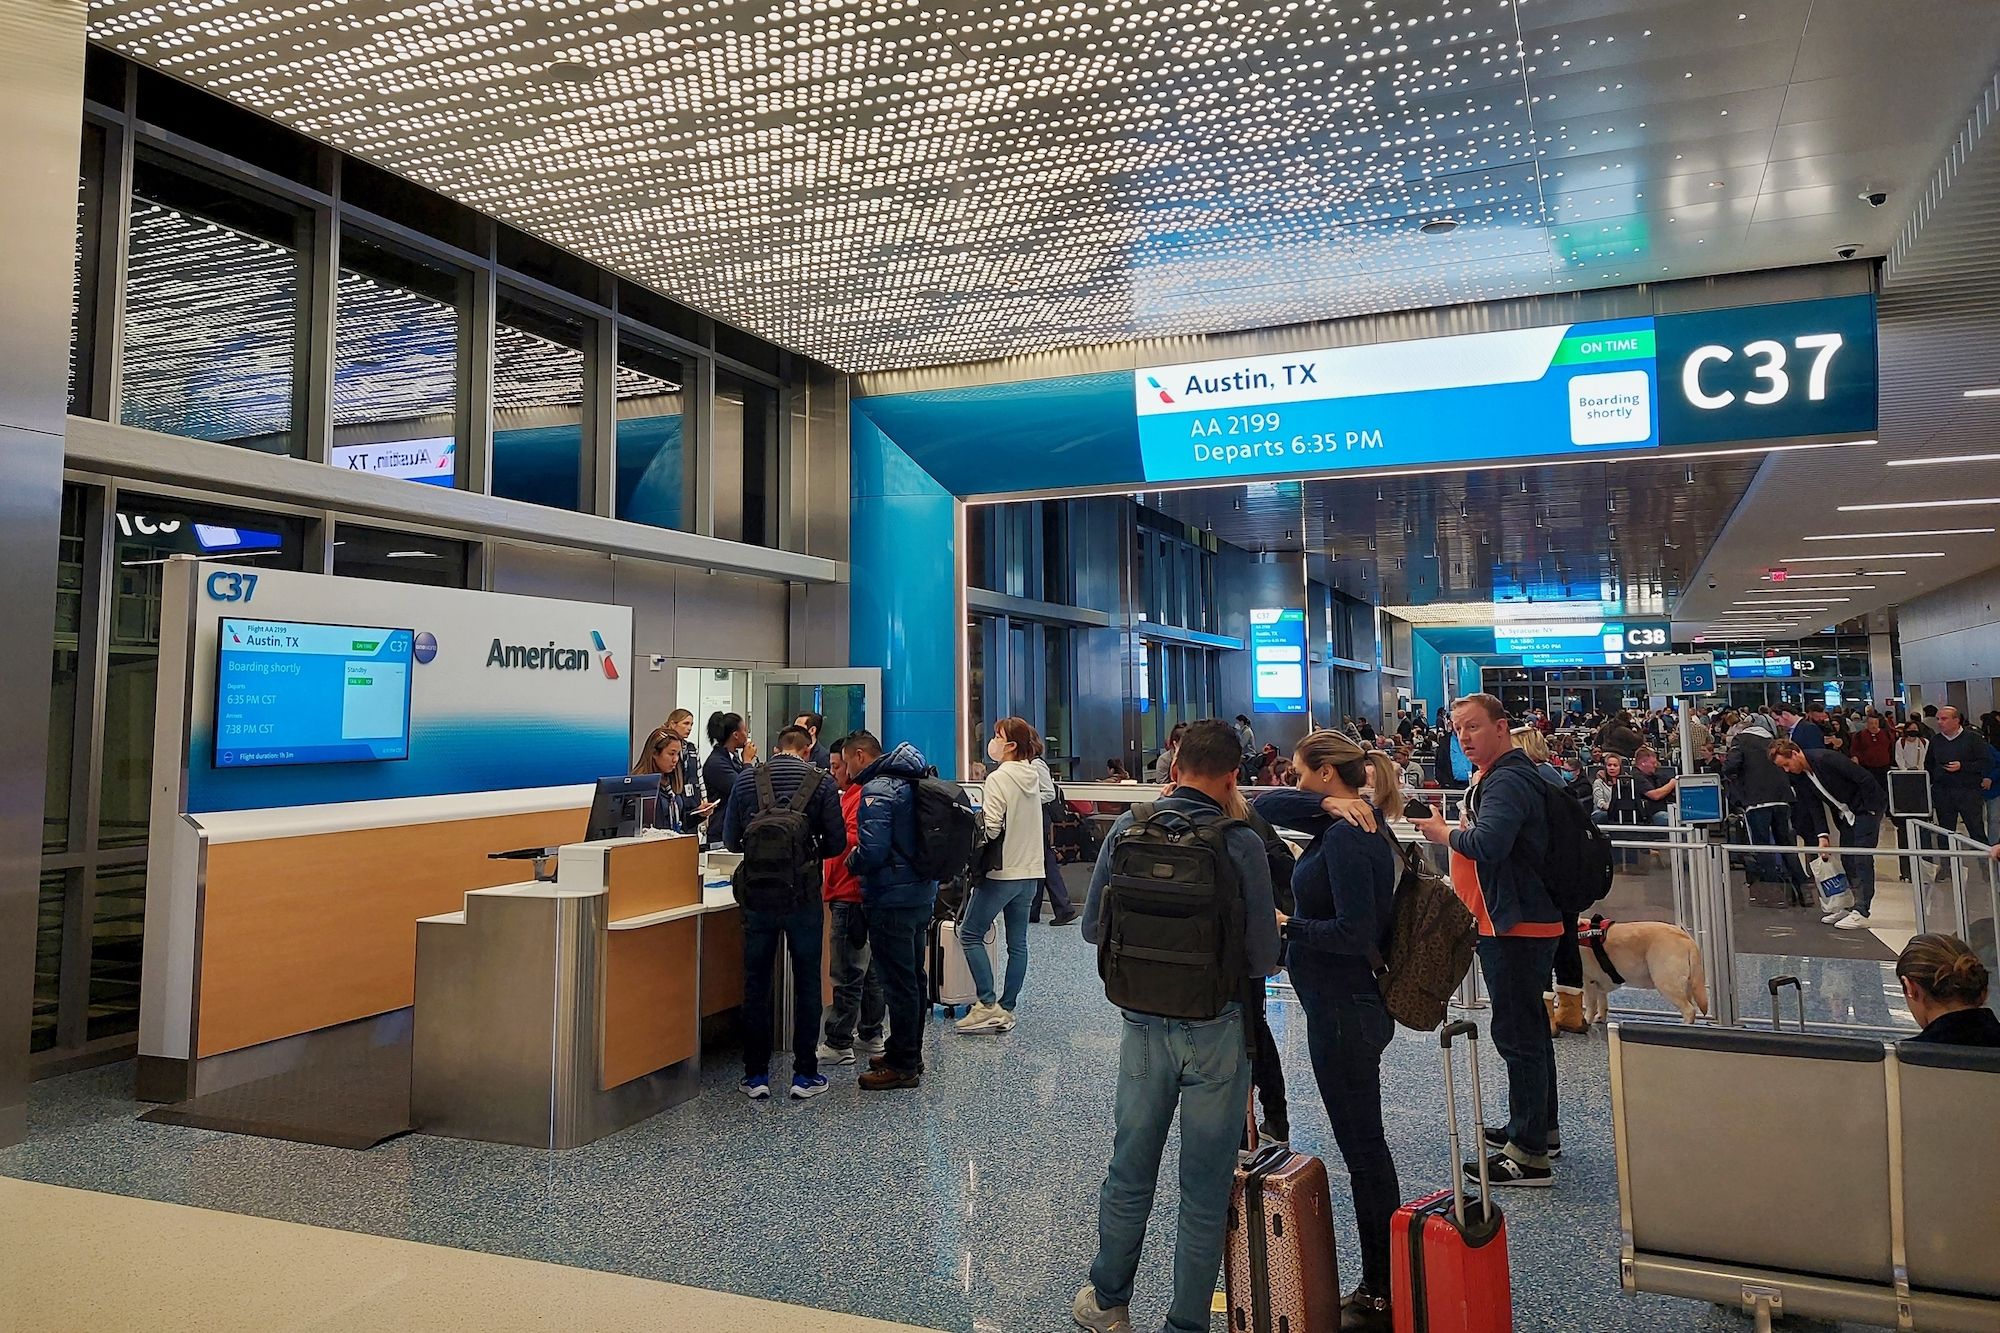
x=1562, y=644
x=1798, y=369
x=292, y=693
x=1277, y=660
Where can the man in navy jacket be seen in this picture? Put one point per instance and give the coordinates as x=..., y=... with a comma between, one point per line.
x=1506, y=838
x=1836, y=798
x=897, y=899
x=802, y=928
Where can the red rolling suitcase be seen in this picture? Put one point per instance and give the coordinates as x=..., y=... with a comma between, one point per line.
x=1280, y=1268
x=1448, y=1263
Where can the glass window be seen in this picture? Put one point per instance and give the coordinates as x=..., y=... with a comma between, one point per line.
x=212, y=311
x=117, y=929
x=652, y=412
x=63, y=680
x=83, y=281
x=1056, y=699
x=48, y=958
x=745, y=460
x=400, y=557
x=396, y=351
x=538, y=391
x=148, y=533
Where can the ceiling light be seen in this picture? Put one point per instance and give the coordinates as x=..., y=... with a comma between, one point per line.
x=1982, y=393
x=1950, y=458
x=1833, y=587
x=1864, y=573
x=1802, y=603
x=1917, y=532
x=1864, y=555
x=414, y=555
x=1921, y=504
x=1439, y=227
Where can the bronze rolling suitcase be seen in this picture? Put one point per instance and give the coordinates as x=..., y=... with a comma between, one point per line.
x=1280, y=1267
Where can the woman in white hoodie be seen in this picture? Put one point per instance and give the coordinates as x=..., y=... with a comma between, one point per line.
x=1012, y=810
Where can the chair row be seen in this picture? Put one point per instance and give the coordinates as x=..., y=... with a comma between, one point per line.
x=1832, y=1177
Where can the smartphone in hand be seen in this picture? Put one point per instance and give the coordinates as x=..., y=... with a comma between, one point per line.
x=1415, y=810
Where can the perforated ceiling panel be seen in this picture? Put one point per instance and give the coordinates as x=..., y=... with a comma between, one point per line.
x=885, y=183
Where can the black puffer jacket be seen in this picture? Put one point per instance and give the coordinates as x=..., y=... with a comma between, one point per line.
x=1750, y=774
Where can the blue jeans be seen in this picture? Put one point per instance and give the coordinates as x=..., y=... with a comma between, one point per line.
x=1346, y=1033
x=1516, y=969
x=896, y=938
x=1771, y=826
x=990, y=899
x=1202, y=1070
x=857, y=990
x=1867, y=831
x=801, y=933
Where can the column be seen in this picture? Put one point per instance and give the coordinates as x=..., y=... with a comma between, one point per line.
x=41, y=103
x=1881, y=667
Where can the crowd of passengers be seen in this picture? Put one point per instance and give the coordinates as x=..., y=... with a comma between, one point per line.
x=1321, y=914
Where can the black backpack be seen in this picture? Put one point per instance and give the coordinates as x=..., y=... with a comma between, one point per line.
x=1170, y=938
x=947, y=829
x=1432, y=935
x=781, y=869
x=1579, y=867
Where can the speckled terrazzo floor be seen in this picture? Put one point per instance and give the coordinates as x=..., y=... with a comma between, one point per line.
x=968, y=1205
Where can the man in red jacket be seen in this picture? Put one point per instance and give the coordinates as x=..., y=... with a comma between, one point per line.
x=857, y=991
x=1874, y=748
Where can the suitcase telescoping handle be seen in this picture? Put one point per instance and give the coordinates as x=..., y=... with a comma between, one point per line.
x=1779, y=983
x=1470, y=1031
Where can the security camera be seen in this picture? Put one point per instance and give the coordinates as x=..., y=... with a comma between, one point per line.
x=1847, y=251
x=1711, y=583
x=1875, y=198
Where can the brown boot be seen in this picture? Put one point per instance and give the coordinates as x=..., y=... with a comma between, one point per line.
x=1569, y=1011
x=1549, y=1003
x=886, y=1079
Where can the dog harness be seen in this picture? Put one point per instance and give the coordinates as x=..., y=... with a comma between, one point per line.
x=1593, y=935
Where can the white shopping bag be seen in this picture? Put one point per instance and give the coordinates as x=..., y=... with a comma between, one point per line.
x=1834, y=895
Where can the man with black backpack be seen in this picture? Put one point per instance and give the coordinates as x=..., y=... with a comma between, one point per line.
x=1499, y=863
x=913, y=830
x=1181, y=909
x=784, y=818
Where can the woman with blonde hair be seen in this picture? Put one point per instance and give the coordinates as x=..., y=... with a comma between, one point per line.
x=1344, y=886
x=1946, y=985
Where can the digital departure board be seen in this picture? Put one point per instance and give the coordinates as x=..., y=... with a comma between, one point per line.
x=293, y=693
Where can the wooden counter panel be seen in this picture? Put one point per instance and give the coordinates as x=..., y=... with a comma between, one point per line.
x=652, y=876
x=649, y=995
x=303, y=933
x=721, y=961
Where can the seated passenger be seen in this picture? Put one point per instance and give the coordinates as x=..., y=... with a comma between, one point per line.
x=1945, y=983
x=1115, y=771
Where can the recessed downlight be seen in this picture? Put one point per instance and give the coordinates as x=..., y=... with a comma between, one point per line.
x=1439, y=226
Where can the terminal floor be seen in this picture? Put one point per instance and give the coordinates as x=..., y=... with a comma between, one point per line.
x=967, y=1205
x=76, y=1260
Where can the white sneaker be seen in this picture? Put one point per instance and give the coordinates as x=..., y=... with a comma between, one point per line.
x=983, y=1018
x=1852, y=921
x=1828, y=918
x=835, y=1055
x=1095, y=1318
x=867, y=1046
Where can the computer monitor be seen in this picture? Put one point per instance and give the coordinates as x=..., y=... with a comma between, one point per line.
x=620, y=808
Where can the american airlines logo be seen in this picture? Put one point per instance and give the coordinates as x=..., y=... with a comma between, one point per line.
x=553, y=656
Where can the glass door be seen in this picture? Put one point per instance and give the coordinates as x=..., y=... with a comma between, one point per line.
x=844, y=698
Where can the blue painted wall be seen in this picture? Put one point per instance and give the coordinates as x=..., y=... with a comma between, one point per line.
x=903, y=612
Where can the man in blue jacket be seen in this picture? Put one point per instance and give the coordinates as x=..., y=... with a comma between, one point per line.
x=897, y=900
x=802, y=928
x=1506, y=840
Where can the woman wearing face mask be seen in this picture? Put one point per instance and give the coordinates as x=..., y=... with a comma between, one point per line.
x=1012, y=810
x=1345, y=885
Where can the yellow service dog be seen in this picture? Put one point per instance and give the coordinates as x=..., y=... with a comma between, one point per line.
x=1656, y=954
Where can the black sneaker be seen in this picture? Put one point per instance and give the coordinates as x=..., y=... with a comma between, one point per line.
x=1496, y=1139
x=1502, y=1169
x=1362, y=1311
x=1064, y=918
